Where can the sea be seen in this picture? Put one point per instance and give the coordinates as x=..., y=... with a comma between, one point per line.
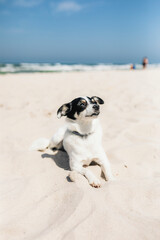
x=59, y=67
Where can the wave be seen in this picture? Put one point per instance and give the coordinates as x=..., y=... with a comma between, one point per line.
x=58, y=67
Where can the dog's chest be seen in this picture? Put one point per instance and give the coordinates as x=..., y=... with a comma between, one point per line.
x=82, y=147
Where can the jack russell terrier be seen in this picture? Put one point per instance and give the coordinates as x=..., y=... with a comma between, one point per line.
x=81, y=137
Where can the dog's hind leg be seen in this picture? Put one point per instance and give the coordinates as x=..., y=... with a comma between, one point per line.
x=92, y=179
x=40, y=144
x=56, y=141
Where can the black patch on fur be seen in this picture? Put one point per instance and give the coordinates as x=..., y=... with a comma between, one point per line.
x=64, y=109
x=77, y=107
x=97, y=100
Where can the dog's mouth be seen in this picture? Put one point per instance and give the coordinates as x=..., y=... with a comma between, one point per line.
x=93, y=114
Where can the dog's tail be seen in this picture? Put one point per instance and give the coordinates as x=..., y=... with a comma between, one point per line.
x=40, y=144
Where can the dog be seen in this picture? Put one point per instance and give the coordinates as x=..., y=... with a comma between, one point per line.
x=81, y=138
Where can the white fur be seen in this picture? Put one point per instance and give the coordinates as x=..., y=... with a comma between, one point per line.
x=41, y=144
x=82, y=150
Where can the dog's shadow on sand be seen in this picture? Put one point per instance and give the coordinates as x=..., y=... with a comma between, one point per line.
x=60, y=158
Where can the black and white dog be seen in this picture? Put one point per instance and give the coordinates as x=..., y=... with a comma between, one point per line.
x=81, y=138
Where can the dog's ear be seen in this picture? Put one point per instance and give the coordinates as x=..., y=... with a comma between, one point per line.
x=97, y=99
x=64, y=109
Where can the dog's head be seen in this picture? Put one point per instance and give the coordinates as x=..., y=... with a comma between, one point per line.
x=82, y=107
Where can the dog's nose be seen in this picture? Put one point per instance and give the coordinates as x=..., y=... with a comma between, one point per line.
x=96, y=106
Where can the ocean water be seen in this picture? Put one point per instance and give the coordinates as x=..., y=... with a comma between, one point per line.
x=58, y=67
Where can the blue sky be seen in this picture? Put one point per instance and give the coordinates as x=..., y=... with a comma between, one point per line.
x=81, y=31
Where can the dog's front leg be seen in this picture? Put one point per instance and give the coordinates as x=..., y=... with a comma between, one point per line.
x=105, y=166
x=93, y=181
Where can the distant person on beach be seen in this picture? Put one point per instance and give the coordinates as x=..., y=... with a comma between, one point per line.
x=145, y=62
x=132, y=67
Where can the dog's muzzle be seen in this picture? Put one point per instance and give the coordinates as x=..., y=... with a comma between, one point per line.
x=96, y=110
x=96, y=107
x=94, y=114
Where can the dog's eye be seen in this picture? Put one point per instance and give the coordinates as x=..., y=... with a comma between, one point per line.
x=93, y=101
x=82, y=104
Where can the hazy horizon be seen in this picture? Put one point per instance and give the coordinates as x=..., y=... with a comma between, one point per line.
x=74, y=63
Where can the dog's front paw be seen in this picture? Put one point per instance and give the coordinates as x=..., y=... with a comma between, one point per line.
x=111, y=178
x=95, y=182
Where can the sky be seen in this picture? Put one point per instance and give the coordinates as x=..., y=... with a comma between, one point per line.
x=79, y=31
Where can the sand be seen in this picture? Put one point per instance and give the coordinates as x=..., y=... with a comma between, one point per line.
x=37, y=200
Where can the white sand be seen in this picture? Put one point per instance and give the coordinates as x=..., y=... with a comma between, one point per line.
x=37, y=201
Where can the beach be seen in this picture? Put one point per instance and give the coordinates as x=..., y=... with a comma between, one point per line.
x=37, y=199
